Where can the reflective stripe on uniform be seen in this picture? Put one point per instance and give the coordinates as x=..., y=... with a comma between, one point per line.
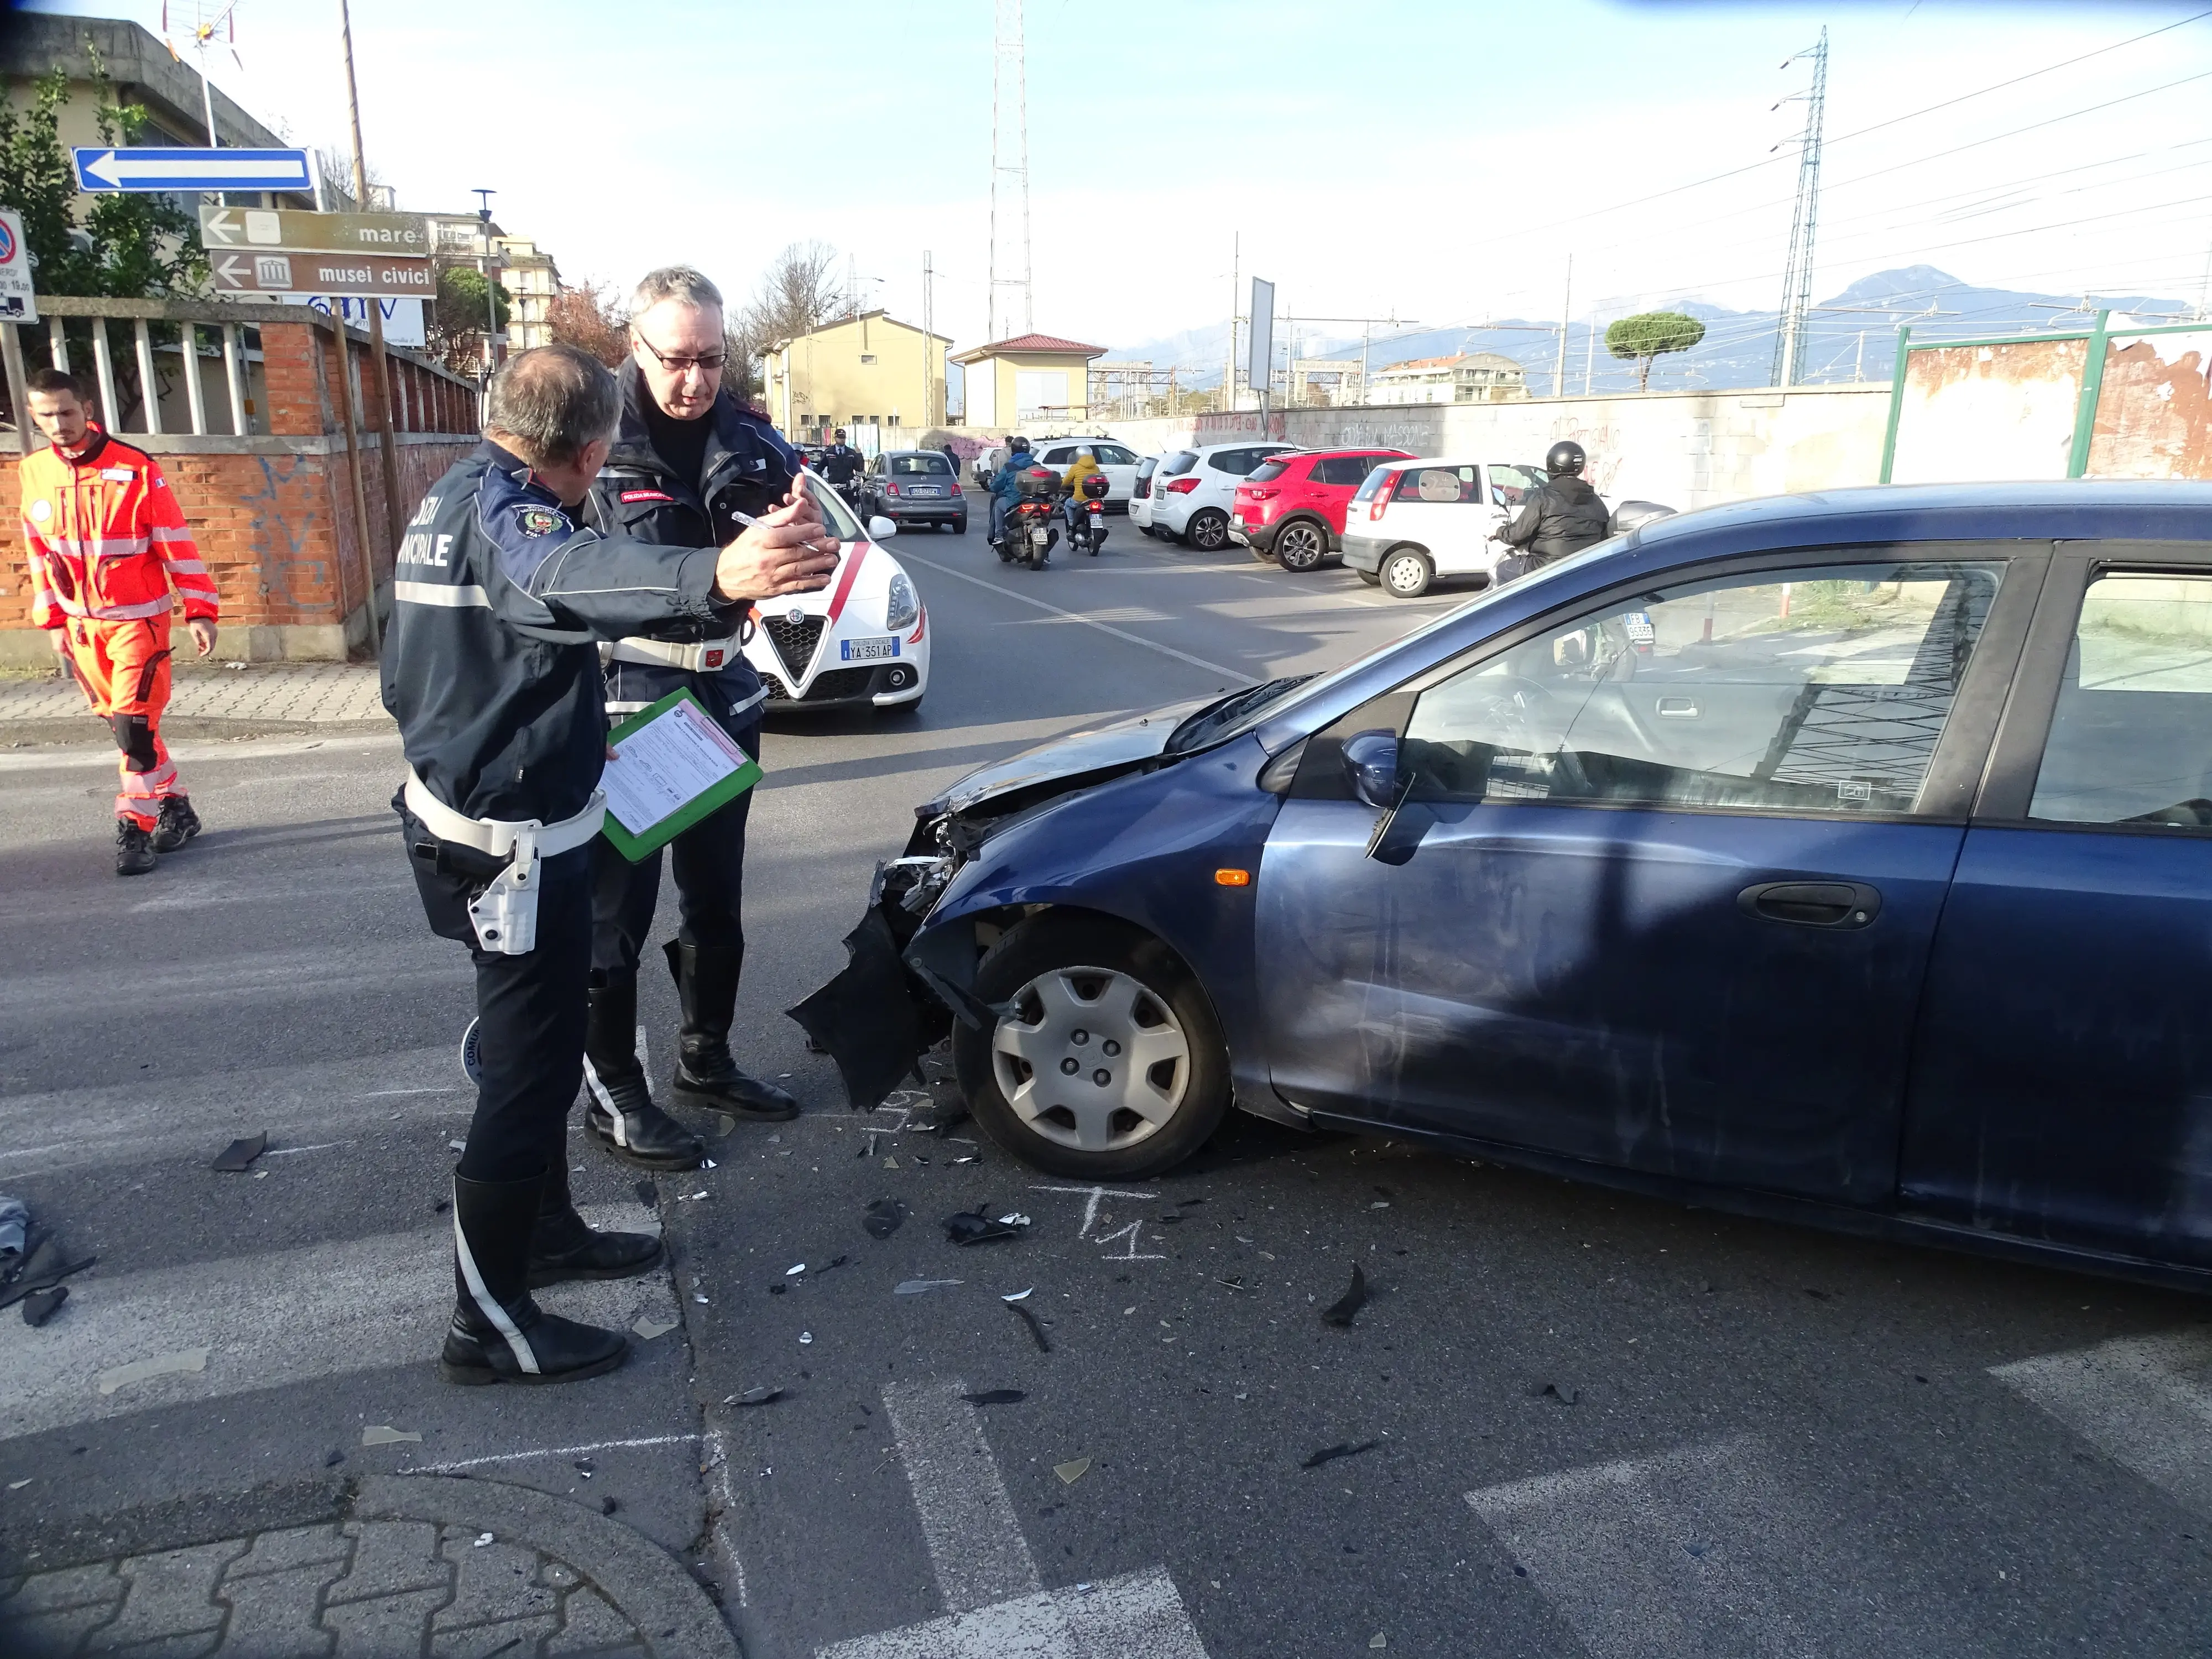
x=168, y=533
x=186, y=566
x=487, y=1304
x=454, y=596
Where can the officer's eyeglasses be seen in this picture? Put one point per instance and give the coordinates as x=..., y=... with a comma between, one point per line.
x=707, y=363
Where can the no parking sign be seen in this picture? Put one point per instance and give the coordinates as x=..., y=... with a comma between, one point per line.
x=17, y=304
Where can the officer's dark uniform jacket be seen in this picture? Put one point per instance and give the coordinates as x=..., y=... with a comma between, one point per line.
x=1564, y=517
x=840, y=462
x=492, y=664
x=748, y=469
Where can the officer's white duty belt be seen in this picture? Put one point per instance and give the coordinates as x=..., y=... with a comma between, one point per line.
x=699, y=657
x=505, y=914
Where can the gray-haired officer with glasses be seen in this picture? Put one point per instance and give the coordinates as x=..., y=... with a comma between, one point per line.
x=690, y=465
x=491, y=667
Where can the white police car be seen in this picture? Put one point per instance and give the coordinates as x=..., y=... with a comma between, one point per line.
x=861, y=642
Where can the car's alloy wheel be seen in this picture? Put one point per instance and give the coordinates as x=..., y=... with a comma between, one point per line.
x=1300, y=545
x=1405, y=573
x=1108, y=1060
x=1208, y=532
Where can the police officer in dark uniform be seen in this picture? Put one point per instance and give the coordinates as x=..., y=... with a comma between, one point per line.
x=492, y=670
x=690, y=466
x=840, y=461
x=1564, y=517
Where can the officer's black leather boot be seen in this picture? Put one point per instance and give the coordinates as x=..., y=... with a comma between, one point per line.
x=134, y=849
x=622, y=1117
x=706, y=1076
x=562, y=1245
x=178, y=823
x=499, y=1334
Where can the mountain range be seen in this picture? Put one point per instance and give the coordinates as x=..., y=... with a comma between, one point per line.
x=1852, y=335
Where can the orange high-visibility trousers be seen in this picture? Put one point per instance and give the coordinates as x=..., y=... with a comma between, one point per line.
x=124, y=667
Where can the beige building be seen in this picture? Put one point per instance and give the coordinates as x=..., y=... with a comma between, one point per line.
x=1471, y=377
x=532, y=281
x=1028, y=380
x=871, y=371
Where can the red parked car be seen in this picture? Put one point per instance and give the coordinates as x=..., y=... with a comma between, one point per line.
x=1292, y=508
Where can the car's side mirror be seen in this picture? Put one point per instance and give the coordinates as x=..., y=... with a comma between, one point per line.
x=881, y=529
x=1371, y=768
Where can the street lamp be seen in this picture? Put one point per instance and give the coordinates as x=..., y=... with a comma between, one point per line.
x=491, y=294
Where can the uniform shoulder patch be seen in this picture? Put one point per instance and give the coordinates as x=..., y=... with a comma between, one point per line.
x=539, y=520
x=41, y=511
x=646, y=496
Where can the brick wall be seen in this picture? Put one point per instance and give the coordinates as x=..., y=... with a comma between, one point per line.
x=273, y=515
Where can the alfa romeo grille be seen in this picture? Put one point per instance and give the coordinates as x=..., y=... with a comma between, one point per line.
x=795, y=641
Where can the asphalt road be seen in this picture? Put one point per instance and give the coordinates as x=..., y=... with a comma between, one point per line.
x=1567, y=1422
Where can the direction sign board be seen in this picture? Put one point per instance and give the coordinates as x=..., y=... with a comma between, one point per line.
x=299, y=232
x=192, y=169
x=320, y=273
x=17, y=303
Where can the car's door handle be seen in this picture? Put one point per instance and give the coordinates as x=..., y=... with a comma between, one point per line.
x=1679, y=708
x=1840, y=904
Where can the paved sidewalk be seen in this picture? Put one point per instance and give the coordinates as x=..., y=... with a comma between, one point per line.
x=209, y=703
x=422, y=1565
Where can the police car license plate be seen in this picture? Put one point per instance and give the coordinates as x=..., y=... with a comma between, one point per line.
x=868, y=650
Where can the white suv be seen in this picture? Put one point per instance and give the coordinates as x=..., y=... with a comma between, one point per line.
x=1117, y=461
x=1413, y=521
x=1193, y=491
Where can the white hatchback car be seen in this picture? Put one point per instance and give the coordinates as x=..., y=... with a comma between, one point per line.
x=1413, y=521
x=861, y=642
x=1117, y=461
x=1140, y=500
x=1193, y=491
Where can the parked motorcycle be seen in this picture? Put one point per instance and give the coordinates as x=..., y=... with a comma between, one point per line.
x=1031, y=535
x=1086, y=532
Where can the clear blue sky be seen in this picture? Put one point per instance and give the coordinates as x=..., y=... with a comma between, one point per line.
x=1439, y=158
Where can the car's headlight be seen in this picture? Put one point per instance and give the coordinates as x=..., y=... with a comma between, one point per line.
x=903, y=606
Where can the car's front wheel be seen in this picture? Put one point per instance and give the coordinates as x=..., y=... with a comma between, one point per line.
x=1108, y=1063
x=1406, y=573
x=1300, y=545
x=1208, y=532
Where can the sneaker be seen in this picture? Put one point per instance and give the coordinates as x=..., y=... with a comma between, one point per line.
x=134, y=848
x=178, y=825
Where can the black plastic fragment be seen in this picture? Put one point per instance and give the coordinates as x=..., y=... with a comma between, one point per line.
x=1037, y=1327
x=1330, y=1454
x=1340, y=1312
x=760, y=1396
x=241, y=1153
x=883, y=1217
x=41, y=1305
x=995, y=1397
x=42, y=1270
x=648, y=1195
x=1553, y=1391
x=976, y=1227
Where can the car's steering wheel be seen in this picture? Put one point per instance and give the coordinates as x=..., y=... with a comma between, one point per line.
x=1515, y=712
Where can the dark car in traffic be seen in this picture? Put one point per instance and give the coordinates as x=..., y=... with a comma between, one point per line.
x=913, y=487
x=1844, y=858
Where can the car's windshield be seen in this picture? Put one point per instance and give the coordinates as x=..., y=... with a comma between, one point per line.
x=835, y=513
x=1511, y=485
x=919, y=466
x=1224, y=712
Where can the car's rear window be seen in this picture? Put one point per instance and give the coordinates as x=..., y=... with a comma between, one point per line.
x=919, y=466
x=1268, y=471
x=1178, y=464
x=1147, y=467
x=1373, y=481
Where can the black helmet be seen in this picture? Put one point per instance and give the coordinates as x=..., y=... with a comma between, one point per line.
x=1018, y=445
x=1564, y=456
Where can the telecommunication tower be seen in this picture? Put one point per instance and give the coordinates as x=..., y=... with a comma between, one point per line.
x=1798, y=277
x=1010, y=136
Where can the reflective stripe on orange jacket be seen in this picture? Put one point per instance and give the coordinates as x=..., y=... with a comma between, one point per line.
x=106, y=537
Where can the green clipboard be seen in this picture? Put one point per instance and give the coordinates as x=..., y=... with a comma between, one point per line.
x=719, y=795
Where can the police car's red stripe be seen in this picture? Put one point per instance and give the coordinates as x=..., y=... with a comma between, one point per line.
x=844, y=580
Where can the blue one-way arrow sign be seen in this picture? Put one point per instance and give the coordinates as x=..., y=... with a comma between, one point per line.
x=192, y=170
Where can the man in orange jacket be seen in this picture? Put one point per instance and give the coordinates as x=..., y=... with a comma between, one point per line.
x=107, y=540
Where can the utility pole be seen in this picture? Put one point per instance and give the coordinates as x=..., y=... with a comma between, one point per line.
x=1589, y=357
x=1858, y=363
x=1010, y=77
x=1228, y=369
x=1797, y=279
x=491, y=285
x=380, y=410
x=1566, y=305
x=929, y=347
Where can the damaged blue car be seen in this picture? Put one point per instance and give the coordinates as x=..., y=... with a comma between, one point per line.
x=1845, y=857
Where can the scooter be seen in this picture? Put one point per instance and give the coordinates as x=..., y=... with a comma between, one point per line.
x=1086, y=532
x=1030, y=536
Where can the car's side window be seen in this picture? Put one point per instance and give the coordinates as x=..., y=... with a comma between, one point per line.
x=1437, y=485
x=1239, y=463
x=2130, y=738
x=1812, y=691
x=1114, y=455
x=1341, y=470
x=1058, y=457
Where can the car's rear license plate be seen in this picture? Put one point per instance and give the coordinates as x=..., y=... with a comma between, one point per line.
x=868, y=650
x=925, y=489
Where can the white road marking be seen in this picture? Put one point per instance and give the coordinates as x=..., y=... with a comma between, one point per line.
x=552, y=1451
x=2144, y=1402
x=975, y=1544
x=360, y=1304
x=1077, y=617
x=1138, y=1616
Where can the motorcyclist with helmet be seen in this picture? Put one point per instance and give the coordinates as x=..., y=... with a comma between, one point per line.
x=1564, y=517
x=1006, y=484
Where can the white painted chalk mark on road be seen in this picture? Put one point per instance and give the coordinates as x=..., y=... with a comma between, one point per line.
x=2144, y=1402
x=1091, y=1197
x=1132, y=1232
x=975, y=1544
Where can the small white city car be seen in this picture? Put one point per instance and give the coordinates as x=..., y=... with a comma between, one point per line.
x=862, y=641
x=1412, y=522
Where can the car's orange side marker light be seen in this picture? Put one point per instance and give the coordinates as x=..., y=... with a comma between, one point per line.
x=1232, y=877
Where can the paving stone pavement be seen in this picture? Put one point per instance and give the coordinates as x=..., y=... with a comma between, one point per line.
x=379, y=1585
x=310, y=692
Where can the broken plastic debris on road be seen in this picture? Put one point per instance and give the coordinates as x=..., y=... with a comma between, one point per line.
x=383, y=1434
x=1342, y=1448
x=883, y=1217
x=1341, y=1312
x=979, y=1226
x=921, y=1287
x=241, y=1153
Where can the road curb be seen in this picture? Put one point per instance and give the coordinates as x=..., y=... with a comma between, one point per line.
x=643, y=1582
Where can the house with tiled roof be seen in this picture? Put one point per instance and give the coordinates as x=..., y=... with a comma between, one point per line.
x=1470, y=377
x=1028, y=380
